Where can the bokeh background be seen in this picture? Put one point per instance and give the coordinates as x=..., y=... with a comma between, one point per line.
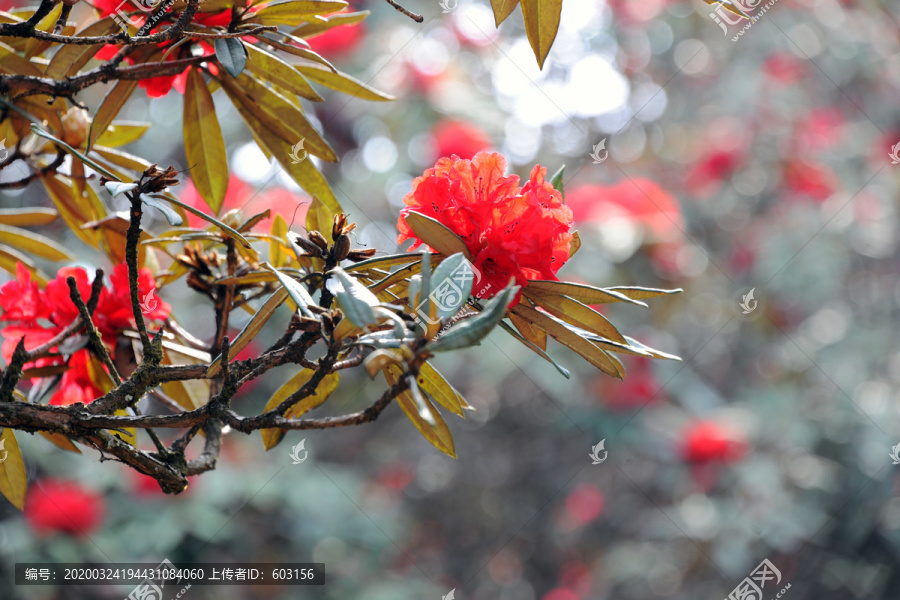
x=758, y=164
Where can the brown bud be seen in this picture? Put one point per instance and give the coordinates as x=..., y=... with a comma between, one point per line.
x=76, y=123
x=341, y=247
x=318, y=239
x=358, y=255
x=308, y=247
x=340, y=220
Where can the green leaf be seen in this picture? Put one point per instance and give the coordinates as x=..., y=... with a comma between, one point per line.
x=13, y=480
x=355, y=299
x=502, y=9
x=472, y=330
x=171, y=216
x=88, y=161
x=296, y=291
x=120, y=133
x=437, y=433
x=269, y=67
x=383, y=262
x=112, y=103
x=251, y=329
x=294, y=12
x=231, y=54
x=342, y=83
x=323, y=24
x=204, y=146
x=436, y=235
x=557, y=181
x=30, y=216
x=326, y=387
x=34, y=244
x=541, y=25
x=434, y=384
x=320, y=218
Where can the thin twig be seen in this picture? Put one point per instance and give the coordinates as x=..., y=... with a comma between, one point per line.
x=411, y=15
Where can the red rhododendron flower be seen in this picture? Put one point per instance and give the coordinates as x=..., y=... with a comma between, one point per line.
x=55, y=505
x=813, y=180
x=37, y=315
x=707, y=174
x=708, y=441
x=509, y=231
x=460, y=138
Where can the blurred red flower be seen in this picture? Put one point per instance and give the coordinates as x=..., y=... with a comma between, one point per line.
x=706, y=176
x=638, y=200
x=709, y=441
x=55, y=505
x=460, y=138
x=338, y=41
x=636, y=391
x=244, y=197
x=584, y=505
x=509, y=231
x=45, y=313
x=810, y=179
x=784, y=68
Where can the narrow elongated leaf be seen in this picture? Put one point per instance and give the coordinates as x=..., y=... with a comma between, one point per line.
x=438, y=434
x=541, y=25
x=34, y=244
x=13, y=480
x=13, y=63
x=294, y=12
x=384, y=262
x=355, y=299
x=342, y=83
x=396, y=277
x=72, y=210
x=563, y=335
x=434, y=384
x=329, y=383
x=296, y=291
x=323, y=24
x=269, y=67
x=557, y=181
x=472, y=330
x=642, y=293
x=117, y=188
x=436, y=235
x=576, y=313
x=304, y=172
x=534, y=348
x=222, y=226
x=251, y=329
x=9, y=258
x=32, y=215
x=120, y=133
x=60, y=441
x=204, y=145
x=71, y=57
x=279, y=230
x=320, y=218
x=36, y=130
x=502, y=9
x=231, y=54
x=171, y=216
x=583, y=293
x=112, y=103
x=533, y=334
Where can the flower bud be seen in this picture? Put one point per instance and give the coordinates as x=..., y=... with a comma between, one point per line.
x=76, y=124
x=318, y=239
x=341, y=247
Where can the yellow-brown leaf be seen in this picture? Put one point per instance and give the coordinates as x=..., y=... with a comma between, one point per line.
x=13, y=480
x=204, y=145
x=329, y=383
x=541, y=25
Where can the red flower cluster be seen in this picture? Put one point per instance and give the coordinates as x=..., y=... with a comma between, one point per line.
x=510, y=231
x=55, y=505
x=459, y=138
x=37, y=315
x=159, y=86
